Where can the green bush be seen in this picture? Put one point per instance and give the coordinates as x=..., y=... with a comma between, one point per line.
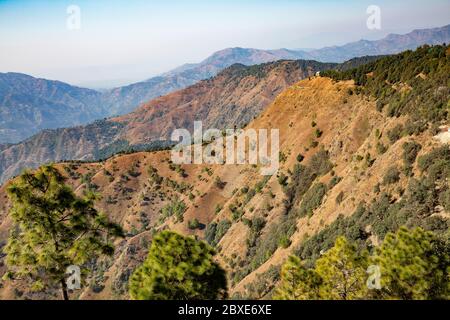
x=410, y=151
x=392, y=176
x=395, y=133
x=215, y=231
x=312, y=199
x=340, y=197
x=193, y=224
x=300, y=158
x=177, y=208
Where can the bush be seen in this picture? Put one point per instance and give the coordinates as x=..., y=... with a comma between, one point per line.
x=320, y=162
x=410, y=151
x=333, y=182
x=210, y=233
x=381, y=148
x=218, y=183
x=340, y=197
x=312, y=199
x=395, y=133
x=177, y=208
x=217, y=231
x=392, y=176
x=193, y=224
x=284, y=242
x=437, y=160
x=256, y=225
x=282, y=179
x=318, y=133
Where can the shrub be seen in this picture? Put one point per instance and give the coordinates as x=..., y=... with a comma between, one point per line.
x=410, y=151
x=312, y=199
x=177, y=208
x=392, y=176
x=300, y=158
x=333, y=182
x=395, y=133
x=340, y=197
x=210, y=233
x=284, y=242
x=218, y=183
x=320, y=162
x=318, y=133
x=381, y=148
x=256, y=225
x=282, y=179
x=193, y=224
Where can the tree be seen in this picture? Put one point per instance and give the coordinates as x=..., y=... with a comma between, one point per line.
x=298, y=282
x=339, y=274
x=414, y=265
x=53, y=229
x=343, y=272
x=178, y=268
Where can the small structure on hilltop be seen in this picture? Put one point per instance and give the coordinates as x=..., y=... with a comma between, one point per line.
x=444, y=134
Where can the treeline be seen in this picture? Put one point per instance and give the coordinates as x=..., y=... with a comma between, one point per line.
x=413, y=83
x=410, y=264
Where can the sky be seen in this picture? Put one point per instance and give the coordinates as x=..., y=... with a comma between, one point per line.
x=123, y=41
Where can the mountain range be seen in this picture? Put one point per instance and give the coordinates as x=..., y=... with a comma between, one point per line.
x=360, y=157
x=28, y=105
x=232, y=98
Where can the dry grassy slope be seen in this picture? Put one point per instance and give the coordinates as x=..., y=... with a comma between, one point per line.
x=348, y=123
x=233, y=97
x=125, y=198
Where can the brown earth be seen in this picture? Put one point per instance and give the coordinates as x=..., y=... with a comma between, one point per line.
x=348, y=122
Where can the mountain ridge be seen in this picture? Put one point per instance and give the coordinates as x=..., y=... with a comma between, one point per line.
x=243, y=91
x=23, y=114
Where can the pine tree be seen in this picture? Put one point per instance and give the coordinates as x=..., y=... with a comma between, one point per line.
x=343, y=272
x=178, y=268
x=298, y=282
x=414, y=265
x=53, y=229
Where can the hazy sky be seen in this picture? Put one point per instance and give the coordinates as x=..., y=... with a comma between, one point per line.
x=129, y=40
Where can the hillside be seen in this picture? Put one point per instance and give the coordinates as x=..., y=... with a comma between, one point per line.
x=28, y=105
x=125, y=99
x=231, y=98
x=363, y=171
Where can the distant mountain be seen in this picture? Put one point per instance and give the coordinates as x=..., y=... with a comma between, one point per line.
x=393, y=43
x=124, y=99
x=232, y=98
x=28, y=105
